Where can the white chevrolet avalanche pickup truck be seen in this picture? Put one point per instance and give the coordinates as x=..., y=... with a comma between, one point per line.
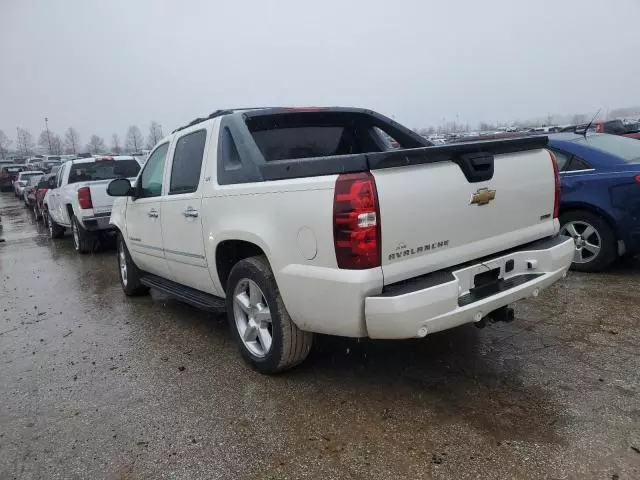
x=77, y=198
x=295, y=221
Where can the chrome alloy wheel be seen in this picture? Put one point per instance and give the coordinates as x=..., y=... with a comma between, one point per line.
x=122, y=261
x=252, y=317
x=587, y=240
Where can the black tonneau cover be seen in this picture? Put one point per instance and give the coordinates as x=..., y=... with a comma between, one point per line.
x=311, y=167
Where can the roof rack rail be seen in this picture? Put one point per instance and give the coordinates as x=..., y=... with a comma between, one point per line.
x=218, y=113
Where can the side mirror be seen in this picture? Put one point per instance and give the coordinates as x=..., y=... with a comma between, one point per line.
x=120, y=187
x=52, y=183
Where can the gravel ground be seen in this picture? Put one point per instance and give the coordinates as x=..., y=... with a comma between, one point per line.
x=95, y=385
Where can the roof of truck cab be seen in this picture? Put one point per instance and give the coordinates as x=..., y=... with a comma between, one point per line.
x=256, y=111
x=80, y=161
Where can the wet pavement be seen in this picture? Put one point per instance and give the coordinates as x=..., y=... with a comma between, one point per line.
x=96, y=385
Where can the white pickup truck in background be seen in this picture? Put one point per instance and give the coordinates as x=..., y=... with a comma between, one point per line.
x=295, y=221
x=77, y=197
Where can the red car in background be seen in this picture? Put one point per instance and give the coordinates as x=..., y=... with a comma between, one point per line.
x=8, y=175
x=36, y=195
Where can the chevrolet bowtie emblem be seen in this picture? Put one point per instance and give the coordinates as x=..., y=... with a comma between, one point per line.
x=482, y=196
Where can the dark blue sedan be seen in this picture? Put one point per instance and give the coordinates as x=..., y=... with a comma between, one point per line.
x=600, y=198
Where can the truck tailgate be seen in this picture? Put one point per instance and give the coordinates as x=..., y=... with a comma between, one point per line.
x=432, y=216
x=102, y=202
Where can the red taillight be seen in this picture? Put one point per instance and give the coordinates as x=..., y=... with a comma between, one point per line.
x=4, y=174
x=84, y=198
x=637, y=178
x=556, y=174
x=356, y=221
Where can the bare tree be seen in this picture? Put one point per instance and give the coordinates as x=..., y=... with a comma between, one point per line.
x=579, y=118
x=44, y=141
x=96, y=144
x=56, y=144
x=71, y=140
x=133, y=140
x=155, y=134
x=5, y=143
x=24, y=141
x=115, y=144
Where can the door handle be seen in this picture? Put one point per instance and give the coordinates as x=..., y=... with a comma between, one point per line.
x=190, y=212
x=153, y=213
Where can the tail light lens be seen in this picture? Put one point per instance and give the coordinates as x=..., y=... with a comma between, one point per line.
x=356, y=221
x=556, y=174
x=637, y=178
x=84, y=198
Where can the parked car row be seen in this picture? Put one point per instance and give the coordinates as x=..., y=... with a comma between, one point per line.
x=264, y=214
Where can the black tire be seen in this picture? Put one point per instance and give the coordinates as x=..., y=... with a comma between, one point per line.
x=55, y=230
x=131, y=285
x=83, y=240
x=608, y=244
x=290, y=345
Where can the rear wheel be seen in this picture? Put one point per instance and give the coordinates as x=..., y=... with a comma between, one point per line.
x=129, y=273
x=593, y=237
x=259, y=321
x=82, y=239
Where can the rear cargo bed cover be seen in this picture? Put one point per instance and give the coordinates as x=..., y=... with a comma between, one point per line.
x=311, y=167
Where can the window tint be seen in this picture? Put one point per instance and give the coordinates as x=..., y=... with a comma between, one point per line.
x=562, y=158
x=578, y=164
x=151, y=178
x=230, y=156
x=187, y=163
x=103, y=170
x=628, y=149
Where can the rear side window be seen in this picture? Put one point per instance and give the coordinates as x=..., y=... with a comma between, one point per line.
x=562, y=159
x=187, y=163
x=103, y=170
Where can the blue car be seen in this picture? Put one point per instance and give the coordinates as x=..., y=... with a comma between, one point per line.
x=600, y=196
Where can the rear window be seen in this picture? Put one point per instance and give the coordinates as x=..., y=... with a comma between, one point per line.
x=12, y=169
x=299, y=142
x=628, y=149
x=25, y=176
x=293, y=135
x=103, y=170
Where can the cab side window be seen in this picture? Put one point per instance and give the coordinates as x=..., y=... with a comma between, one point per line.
x=151, y=177
x=187, y=163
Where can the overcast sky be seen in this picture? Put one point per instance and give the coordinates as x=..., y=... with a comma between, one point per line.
x=103, y=65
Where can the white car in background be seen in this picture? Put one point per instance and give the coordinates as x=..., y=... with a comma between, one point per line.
x=23, y=180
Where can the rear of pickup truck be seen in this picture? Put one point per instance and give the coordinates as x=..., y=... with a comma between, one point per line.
x=87, y=190
x=426, y=238
x=460, y=240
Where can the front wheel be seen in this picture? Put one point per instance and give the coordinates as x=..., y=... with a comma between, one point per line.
x=594, y=239
x=129, y=273
x=259, y=321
